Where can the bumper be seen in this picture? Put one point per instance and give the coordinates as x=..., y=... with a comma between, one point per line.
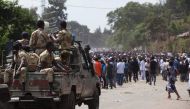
x=34, y=103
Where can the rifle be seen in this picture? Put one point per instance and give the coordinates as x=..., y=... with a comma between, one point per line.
x=82, y=52
x=86, y=57
x=14, y=74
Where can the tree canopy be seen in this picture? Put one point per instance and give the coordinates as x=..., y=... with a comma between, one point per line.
x=14, y=20
x=138, y=24
x=54, y=13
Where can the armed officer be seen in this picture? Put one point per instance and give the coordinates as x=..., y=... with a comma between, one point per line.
x=39, y=38
x=19, y=65
x=64, y=39
x=47, y=61
x=24, y=41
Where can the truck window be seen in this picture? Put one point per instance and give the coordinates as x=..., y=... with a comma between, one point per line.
x=75, y=60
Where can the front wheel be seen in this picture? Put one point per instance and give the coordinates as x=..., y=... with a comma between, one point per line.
x=94, y=103
x=2, y=105
x=68, y=101
x=6, y=106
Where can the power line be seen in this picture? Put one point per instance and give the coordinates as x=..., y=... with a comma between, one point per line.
x=79, y=6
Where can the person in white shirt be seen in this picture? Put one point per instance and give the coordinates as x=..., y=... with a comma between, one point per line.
x=165, y=67
x=142, y=69
x=120, y=72
x=147, y=70
x=161, y=65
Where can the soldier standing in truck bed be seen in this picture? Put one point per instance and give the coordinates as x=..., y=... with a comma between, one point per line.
x=64, y=39
x=39, y=38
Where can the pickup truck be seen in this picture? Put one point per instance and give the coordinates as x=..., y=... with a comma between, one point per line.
x=79, y=86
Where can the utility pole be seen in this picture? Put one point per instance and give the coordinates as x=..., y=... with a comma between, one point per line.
x=43, y=2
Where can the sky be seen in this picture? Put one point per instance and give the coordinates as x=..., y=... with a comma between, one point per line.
x=88, y=12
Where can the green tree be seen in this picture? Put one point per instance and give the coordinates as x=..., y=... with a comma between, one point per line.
x=143, y=24
x=14, y=20
x=55, y=13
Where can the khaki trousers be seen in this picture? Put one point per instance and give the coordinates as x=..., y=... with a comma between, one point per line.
x=49, y=72
x=9, y=73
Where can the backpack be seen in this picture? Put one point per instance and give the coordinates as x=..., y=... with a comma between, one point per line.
x=32, y=61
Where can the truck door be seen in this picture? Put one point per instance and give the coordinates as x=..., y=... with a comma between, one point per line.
x=86, y=77
x=88, y=85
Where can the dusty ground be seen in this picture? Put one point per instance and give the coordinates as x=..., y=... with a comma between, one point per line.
x=143, y=96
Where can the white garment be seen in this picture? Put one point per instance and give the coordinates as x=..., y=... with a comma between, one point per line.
x=142, y=69
x=161, y=61
x=188, y=60
x=165, y=66
x=143, y=75
x=120, y=67
x=142, y=65
x=189, y=80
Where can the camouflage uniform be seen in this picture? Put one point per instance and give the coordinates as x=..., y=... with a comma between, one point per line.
x=24, y=42
x=38, y=41
x=22, y=56
x=65, y=41
x=33, y=60
x=47, y=69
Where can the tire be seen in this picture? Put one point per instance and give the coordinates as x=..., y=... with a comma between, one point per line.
x=2, y=105
x=68, y=101
x=6, y=106
x=94, y=104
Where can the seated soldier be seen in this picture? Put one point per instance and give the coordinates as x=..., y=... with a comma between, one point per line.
x=24, y=41
x=65, y=55
x=19, y=65
x=47, y=61
x=33, y=60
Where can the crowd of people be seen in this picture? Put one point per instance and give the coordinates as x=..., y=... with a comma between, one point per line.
x=115, y=68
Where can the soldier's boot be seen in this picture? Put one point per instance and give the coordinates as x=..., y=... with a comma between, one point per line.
x=51, y=88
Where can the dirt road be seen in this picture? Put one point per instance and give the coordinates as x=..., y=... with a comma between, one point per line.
x=143, y=96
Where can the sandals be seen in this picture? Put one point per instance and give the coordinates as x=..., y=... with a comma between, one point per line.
x=178, y=98
x=169, y=97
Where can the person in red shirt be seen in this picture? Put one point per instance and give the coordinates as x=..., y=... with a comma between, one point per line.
x=97, y=67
